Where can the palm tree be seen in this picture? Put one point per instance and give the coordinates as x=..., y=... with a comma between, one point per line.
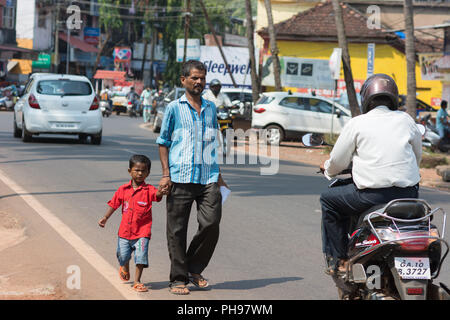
x=410, y=59
x=273, y=46
x=342, y=39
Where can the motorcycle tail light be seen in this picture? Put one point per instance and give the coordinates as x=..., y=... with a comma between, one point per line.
x=414, y=291
x=414, y=244
x=259, y=110
x=95, y=104
x=32, y=101
x=129, y=103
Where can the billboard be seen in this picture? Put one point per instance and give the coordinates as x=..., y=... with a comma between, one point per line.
x=192, y=51
x=299, y=73
x=238, y=62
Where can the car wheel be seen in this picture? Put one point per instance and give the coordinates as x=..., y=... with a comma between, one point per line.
x=82, y=137
x=26, y=136
x=17, y=131
x=97, y=138
x=274, y=134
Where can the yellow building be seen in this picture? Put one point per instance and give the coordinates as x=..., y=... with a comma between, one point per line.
x=312, y=34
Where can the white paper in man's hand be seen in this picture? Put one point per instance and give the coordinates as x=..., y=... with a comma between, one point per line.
x=225, y=193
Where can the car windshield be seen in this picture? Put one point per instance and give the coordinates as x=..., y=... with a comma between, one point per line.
x=64, y=88
x=265, y=99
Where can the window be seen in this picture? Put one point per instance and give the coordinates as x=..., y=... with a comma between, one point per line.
x=290, y=102
x=318, y=105
x=8, y=17
x=64, y=87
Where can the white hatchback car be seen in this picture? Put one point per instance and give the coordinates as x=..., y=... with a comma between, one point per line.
x=58, y=104
x=287, y=115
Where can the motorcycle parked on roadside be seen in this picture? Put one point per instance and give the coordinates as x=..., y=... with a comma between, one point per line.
x=431, y=137
x=394, y=250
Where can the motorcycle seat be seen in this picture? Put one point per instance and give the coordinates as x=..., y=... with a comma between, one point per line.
x=406, y=210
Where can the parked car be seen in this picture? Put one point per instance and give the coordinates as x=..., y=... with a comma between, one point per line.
x=176, y=93
x=287, y=115
x=58, y=104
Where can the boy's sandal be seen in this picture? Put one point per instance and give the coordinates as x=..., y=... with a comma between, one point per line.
x=199, y=281
x=179, y=289
x=139, y=287
x=124, y=276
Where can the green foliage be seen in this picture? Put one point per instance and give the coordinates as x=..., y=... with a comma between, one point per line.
x=110, y=14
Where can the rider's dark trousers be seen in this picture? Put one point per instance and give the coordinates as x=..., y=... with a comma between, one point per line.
x=342, y=202
x=209, y=212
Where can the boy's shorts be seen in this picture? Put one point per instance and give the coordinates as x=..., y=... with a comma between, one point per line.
x=140, y=247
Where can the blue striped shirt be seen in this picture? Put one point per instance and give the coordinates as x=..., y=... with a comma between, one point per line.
x=192, y=141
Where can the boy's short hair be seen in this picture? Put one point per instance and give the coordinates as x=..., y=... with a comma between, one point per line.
x=140, y=158
x=192, y=64
x=444, y=104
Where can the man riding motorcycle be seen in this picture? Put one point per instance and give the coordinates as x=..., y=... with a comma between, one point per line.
x=384, y=147
x=213, y=94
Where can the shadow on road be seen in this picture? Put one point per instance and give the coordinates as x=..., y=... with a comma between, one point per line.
x=233, y=285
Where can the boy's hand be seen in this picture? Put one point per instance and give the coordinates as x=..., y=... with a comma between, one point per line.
x=102, y=222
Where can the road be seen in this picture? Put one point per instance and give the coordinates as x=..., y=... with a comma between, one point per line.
x=269, y=246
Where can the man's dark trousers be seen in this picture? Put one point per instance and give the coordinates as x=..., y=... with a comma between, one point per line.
x=341, y=202
x=209, y=212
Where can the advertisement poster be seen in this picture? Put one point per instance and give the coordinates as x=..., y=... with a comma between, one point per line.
x=430, y=67
x=299, y=73
x=238, y=61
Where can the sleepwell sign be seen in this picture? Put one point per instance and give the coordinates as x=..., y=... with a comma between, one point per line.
x=238, y=63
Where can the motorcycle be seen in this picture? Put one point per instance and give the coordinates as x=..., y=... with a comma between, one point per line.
x=225, y=120
x=394, y=250
x=431, y=137
x=105, y=108
x=7, y=99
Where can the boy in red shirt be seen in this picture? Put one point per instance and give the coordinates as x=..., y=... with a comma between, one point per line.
x=136, y=199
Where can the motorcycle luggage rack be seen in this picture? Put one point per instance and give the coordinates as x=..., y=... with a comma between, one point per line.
x=385, y=216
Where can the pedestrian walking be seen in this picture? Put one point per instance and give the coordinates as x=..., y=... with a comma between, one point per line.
x=147, y=100
x=191, y=172
x=136, y=198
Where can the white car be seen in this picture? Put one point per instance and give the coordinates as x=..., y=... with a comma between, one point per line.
x=287, y=115
x=58, y=104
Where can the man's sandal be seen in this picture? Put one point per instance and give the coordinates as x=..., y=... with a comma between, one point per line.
x=124, y=276
x=139, y=287
x=179, y=289
x=199, y=281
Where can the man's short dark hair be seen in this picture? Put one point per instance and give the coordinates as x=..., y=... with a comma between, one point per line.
x=444, y=104
x=139, y=158
x=192, y=64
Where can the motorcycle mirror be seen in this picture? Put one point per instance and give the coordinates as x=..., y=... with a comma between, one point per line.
x=312, y=140
x=421, y=128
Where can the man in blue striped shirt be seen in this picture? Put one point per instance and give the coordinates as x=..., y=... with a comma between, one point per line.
x=187, y=149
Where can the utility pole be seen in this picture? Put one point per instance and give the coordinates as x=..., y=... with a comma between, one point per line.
x=187, y=19
x=410, y=52
x=342, y=39
x=251, y=49
x=273, y=46
x=211, y=28
x=56, y=55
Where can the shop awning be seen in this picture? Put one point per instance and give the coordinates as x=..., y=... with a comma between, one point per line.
x=110, y=75
x=78, y=43
x=14, y=52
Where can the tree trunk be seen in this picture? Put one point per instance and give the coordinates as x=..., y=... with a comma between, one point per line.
x=100, y=50
x=251, y=48
x=342, y=39
x=187, y=20
x=410, y=59
x=273, y=46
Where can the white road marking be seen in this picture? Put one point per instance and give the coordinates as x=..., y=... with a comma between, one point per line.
x=110, y=273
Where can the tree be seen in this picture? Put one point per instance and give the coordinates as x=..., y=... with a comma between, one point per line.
x=109, y=20
x=251, y=50
x=273, y=46
x=342, y=39
x=410, y=59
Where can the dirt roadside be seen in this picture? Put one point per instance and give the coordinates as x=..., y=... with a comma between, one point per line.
x=36, y=263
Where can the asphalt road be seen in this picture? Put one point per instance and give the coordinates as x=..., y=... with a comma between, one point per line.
x=269, y=246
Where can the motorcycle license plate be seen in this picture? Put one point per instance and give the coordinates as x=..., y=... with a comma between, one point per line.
x=413, y=268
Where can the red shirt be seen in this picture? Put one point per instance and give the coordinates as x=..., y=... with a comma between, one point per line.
x=136, y=210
